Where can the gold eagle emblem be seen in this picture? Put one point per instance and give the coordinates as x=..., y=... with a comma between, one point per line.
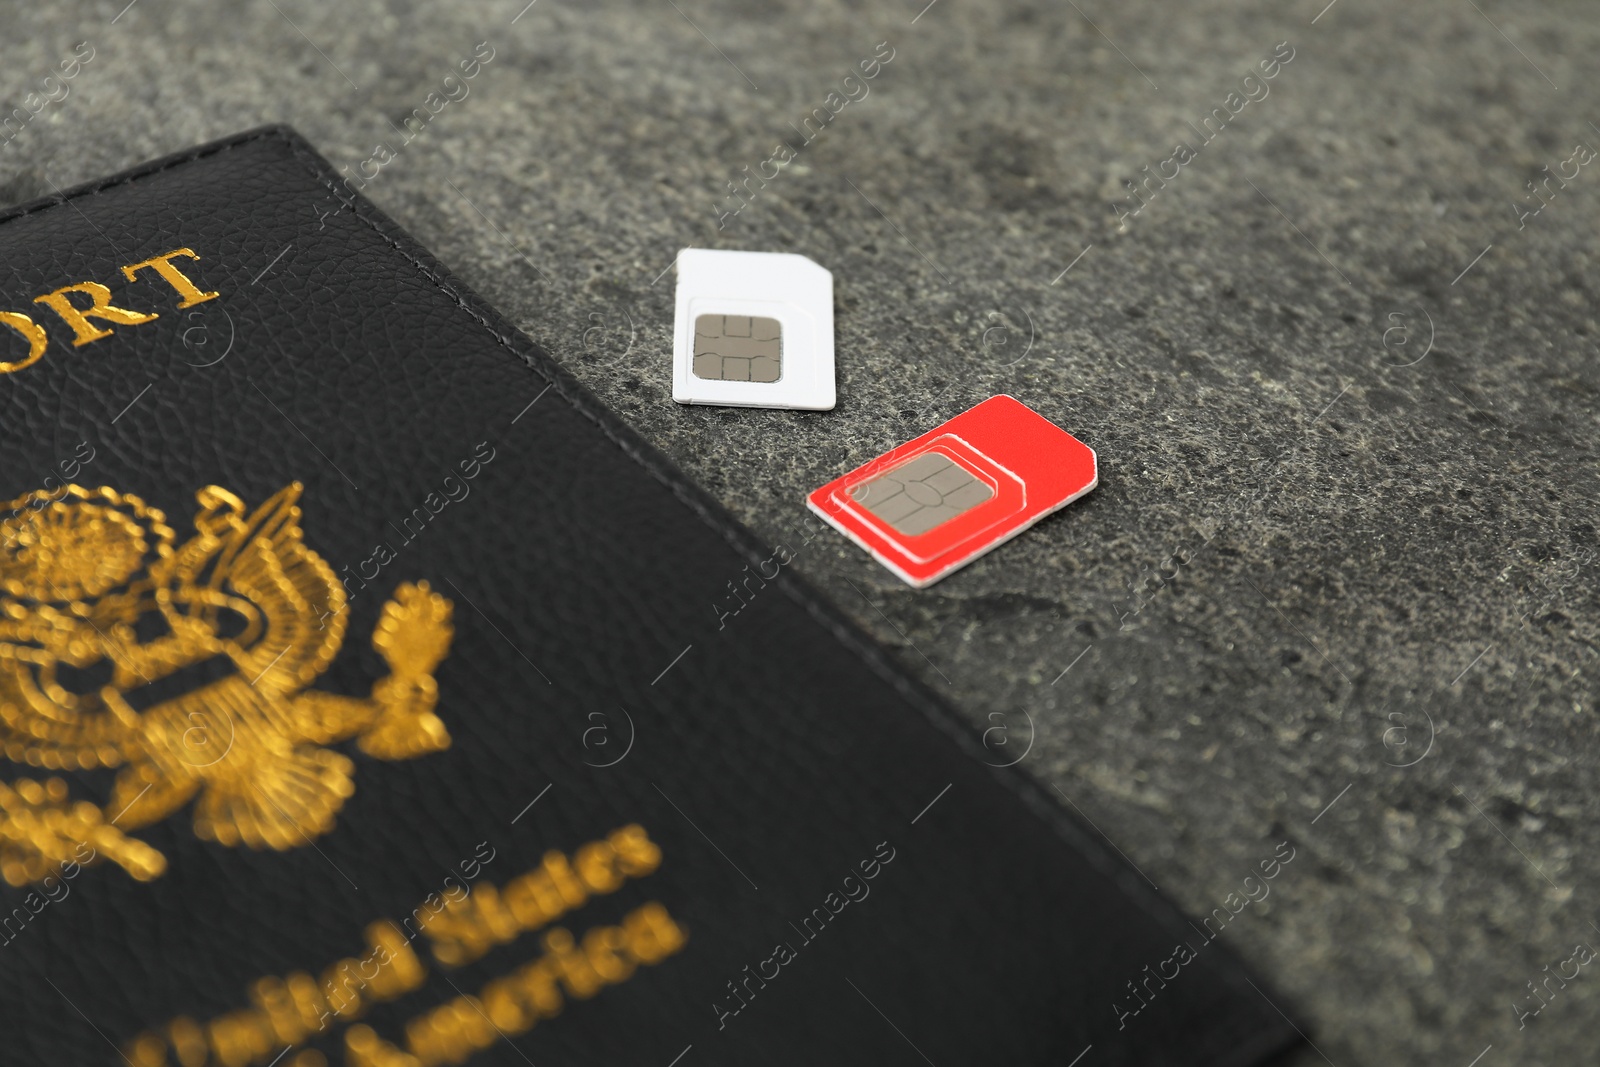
x=187, y=668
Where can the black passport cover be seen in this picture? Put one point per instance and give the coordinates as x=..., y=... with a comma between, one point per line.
x=385, y=706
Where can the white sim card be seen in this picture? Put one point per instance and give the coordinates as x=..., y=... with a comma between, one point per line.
x=753, y=329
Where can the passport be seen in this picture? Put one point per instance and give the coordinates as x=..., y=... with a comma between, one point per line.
x=360, y=703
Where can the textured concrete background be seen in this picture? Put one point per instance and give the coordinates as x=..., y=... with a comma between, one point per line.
x=1337, y=585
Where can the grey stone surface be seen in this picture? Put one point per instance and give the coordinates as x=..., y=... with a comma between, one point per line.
x=1353, y=494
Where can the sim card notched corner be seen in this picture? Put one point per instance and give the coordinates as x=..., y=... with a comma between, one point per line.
x=753, y=329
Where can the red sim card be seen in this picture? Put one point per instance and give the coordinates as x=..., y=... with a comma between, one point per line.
x=939, y=502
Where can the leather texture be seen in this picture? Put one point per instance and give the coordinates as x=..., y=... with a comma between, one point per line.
x=767, y=752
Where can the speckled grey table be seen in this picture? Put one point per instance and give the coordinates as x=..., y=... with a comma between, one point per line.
x=1337, y=584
